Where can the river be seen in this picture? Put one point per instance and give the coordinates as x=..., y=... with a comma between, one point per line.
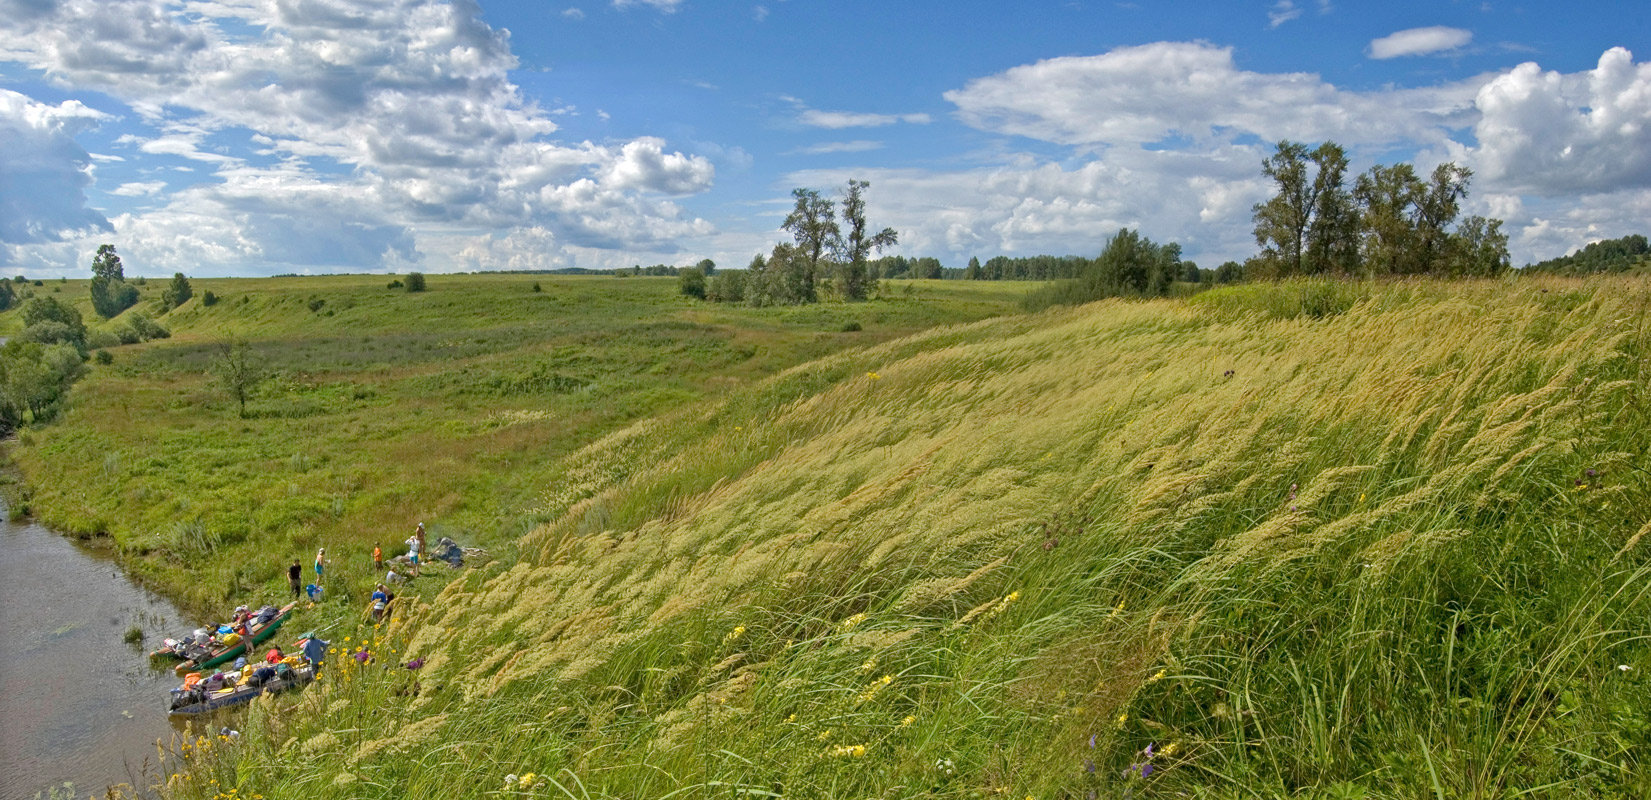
x=77, y=703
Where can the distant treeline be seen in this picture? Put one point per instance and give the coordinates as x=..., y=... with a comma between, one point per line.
x=1611, y=255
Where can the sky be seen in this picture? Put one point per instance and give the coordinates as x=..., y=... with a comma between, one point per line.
x=258, y=137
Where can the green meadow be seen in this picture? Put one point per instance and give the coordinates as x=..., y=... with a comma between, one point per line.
x=1285, y=540
x=384, y=408
x=1289, y=540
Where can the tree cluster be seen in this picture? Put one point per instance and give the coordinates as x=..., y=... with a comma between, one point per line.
x=111, y=294
x=38, y=365
x=1131, y=265
x=1389, y=221
x=1611, y=255
x=822, y=251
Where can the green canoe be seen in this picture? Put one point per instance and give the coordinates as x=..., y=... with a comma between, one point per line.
x=259, y=634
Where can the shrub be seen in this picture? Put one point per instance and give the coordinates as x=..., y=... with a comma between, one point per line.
x=178, y=292
x=415, y=281
x=726, y=287
x=537, y=287
x=850, y=326
x=395, y=284
x=97, y=340
x=148, y=328
x=208, y=298
x=105, y=357
x=316, y=303
x=692, y=283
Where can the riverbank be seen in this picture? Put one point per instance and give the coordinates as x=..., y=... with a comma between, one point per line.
x=78, y=702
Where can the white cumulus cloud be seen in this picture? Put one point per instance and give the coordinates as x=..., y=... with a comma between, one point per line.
x=413, y=97
x=1548, y=133
x=44, y=173
x=1148, y=92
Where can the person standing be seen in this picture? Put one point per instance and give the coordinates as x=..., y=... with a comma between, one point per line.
x=295, y=576
x=378, y=559
x=320, y=564
x=414, y=545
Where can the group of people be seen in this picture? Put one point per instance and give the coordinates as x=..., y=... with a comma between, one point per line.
x=382, y=597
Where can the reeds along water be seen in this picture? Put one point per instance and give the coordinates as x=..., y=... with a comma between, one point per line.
x=1391, y=547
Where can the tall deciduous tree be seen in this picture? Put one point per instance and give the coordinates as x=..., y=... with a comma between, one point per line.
x=1281, y=223
x=1333, y=231
x=1385, y=195
x=853, y=249
x=814, y=228
x=107, y=265
x=178, y=292
x=1436, y=207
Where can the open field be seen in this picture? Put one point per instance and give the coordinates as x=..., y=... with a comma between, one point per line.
x=1288, y=540
x=450, y=406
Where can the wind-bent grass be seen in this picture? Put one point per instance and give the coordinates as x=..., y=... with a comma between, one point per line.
x=1394, y=550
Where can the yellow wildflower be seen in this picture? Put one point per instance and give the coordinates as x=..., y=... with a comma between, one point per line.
x=848, y=624
x=1169, y=749
x=1157, y=677
x=873, y=375
x=906, y=723
x=1122, y=718
x=850, y=750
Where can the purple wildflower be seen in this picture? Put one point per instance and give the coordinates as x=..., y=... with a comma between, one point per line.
x=1092, y=741
x=1592, y=472
x=1089, y=766
x=415, y=663
x=361, y=656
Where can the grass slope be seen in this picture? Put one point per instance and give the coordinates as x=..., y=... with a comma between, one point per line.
x=1276, y=541
x=387, y=408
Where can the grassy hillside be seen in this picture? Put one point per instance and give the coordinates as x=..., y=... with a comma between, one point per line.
x=1274, y=541
x=387, y=408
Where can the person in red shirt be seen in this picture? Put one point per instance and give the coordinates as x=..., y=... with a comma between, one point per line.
x=274, y=656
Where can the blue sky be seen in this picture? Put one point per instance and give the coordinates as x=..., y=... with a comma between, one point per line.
x=245, y=137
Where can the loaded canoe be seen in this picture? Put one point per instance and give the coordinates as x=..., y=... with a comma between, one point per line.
x=259, y=634
x=221, y=698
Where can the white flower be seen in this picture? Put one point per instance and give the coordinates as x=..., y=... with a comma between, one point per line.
x=1624, y=667
x=510, y=780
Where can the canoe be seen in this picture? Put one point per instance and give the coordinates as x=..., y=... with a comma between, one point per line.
x=221, y=698
x=259, y=633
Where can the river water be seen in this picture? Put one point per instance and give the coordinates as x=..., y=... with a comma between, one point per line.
x=77, y=703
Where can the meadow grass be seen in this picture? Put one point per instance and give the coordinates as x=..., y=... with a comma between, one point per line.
x=1260, y=543
x=385, y=408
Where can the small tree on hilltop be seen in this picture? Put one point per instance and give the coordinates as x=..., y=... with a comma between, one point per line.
x=178, y=292
x=415, y=281
x=111, y=294
x=238, y=370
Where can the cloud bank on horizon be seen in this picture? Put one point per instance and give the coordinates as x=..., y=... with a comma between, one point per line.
x=265, y=136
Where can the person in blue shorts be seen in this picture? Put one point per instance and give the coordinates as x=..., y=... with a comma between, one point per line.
x=320, y=563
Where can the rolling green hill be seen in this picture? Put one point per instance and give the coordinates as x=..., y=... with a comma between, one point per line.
x=385, y=408
x=1293, y=540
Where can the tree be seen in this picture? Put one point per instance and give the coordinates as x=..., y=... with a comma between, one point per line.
x=58, y=315
x=1435, y=210
x=972, y=272
x=107, y=265
x=1384, y=195
x=857, y=246
x=238, y=370
x=692, y=283
x=814, y=228
x=727, y=286
x=178, y=292
x=1229, y=272
x=1333, y=231
x=1478, y=248
x=415, y=281
x=706, y=267
x=1281, y=223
